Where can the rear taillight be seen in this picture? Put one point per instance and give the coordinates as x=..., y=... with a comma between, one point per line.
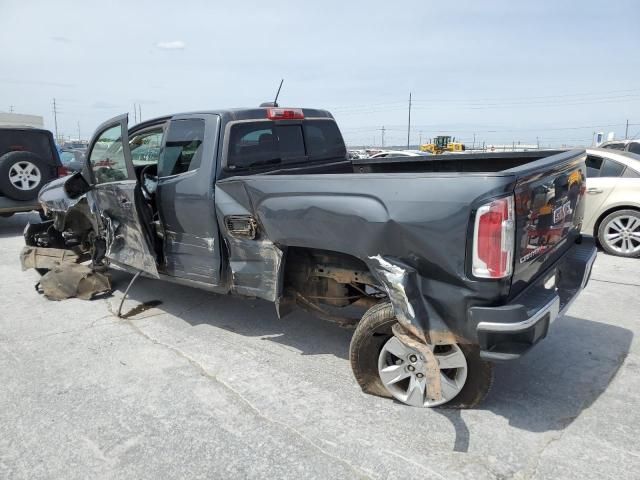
x=62, y=171
x=493, y=239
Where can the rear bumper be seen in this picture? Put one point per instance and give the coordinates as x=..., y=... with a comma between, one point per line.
x=509, y=331
x=8, y=205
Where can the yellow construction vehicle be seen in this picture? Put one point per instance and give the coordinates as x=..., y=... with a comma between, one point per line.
x=443, y=143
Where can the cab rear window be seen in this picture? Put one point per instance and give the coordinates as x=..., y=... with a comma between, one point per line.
x=266, y=143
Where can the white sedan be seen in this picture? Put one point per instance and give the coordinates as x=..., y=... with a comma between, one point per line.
x=400, y=153
x=612, y=211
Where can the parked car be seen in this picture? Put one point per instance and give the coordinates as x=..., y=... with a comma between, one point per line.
x=72, y=158
x=450, y=264
x=632, y=146
x=400, y=153
x=28, y=160
x=613, y=201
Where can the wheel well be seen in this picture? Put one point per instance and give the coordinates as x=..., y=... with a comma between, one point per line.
x=604, y=214
x=303, y=263
x=314, y=277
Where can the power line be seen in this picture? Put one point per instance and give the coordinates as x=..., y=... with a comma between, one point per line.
x=477, y=130
x=605, y=94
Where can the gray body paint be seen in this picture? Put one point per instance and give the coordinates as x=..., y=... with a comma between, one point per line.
x=411, y=228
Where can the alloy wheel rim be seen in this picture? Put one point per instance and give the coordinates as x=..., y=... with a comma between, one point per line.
x=402, y=371
x=24, y=175
x=622, y=234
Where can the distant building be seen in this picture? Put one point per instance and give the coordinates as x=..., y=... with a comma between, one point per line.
x=21, y=120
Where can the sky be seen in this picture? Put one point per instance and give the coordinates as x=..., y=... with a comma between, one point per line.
x=546, y=71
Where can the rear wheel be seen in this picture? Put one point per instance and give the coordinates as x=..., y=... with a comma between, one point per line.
x=22, y=174
x=385, y=366
x=619, y=233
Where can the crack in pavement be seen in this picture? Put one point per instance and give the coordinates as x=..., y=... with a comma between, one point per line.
x=203, y=371
x=63, y=332
x=615, y=283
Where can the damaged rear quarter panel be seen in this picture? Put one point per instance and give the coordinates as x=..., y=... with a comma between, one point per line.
x=421, y=220
x=255, y=263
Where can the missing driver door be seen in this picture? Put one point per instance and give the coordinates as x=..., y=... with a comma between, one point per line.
x=117, y=197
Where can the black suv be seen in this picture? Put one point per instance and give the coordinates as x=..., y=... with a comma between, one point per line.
x=28, y=160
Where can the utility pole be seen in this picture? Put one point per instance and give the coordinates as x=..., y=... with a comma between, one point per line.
x=382, y=130
x=420, y=140
x=135, y=113
x=79, y=137
x=55, y=117
x=538, y=142
x=11, y=109
x=139, y=112
x=626, y=130
x=473, y=147
x=409, y=123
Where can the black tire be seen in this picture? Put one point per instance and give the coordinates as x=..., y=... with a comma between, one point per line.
x=11, y=159
x=372, y=333
x=603, y=227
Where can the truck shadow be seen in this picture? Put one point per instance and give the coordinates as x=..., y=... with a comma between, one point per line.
x=553, y=384
x=544, y=391
x=246, y=317
x=550, y=386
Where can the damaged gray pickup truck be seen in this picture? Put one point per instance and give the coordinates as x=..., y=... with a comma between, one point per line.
x=444, y=264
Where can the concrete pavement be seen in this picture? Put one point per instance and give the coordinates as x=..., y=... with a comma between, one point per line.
x=207, y=386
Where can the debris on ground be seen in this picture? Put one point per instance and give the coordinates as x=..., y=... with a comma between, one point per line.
x=73, y=280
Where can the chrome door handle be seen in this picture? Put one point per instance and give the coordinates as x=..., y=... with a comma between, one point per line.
x=594, y=190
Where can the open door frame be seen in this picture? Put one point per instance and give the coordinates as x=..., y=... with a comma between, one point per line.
x=117, y=204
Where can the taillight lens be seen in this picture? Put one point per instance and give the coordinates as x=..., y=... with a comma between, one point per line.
x=62, y=171
x=494, y=239
x=285, y=114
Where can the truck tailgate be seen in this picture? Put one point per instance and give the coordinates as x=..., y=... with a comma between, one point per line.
x=549, y=203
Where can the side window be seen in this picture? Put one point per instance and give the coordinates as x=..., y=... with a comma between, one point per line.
x=183, y=149
x=107, y=157
x=594, y=164
x=634, y=147
x=611, y=169
x=145, y=147
x=614, y=146
x=630, y=173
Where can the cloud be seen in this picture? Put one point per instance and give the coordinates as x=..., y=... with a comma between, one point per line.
x=61, y=39
x=173, y=45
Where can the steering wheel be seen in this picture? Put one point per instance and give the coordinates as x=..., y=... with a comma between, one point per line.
x=149, y=177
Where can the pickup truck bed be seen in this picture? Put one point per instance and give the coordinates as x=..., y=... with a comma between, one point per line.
x=462, y=258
